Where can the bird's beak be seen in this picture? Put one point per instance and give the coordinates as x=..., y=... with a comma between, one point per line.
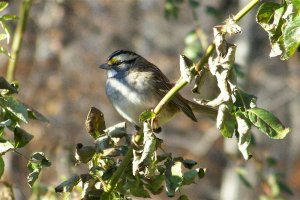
x=104, y=66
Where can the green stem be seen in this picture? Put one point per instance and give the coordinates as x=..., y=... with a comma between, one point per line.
x=18, y=38
x=112, y=183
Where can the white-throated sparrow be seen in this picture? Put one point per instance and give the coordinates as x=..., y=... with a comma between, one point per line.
x=135, y=85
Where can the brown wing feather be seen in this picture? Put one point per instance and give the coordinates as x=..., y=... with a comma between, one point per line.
x=163, y=86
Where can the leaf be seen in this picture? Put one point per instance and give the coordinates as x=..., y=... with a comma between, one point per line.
x=8, y=17
x=3, y=36
x=291, y=37
x=225, y=121
x=139, y=191
x=102, y=143
x=155, y=185
x=7, y=31
x=173, y=177
x=14, y=107
x=265, y=15
x=194, y=3
x=5, y=52
x=6, y=123
x=68, y=185
x=243, y=99
x=117, y=131
x=285, y=188
x=146, y=115
x=36, y=163
x=244, y=136
x=84, y=154
x=241, y=172
x=189, y=176
x=6, y=85
x=5, y=146
x=95, y=123
x=183, y=197
x=3, y=5
x=21, y=137
x=34, y=114
x=189, y=163
x=2, y=165
x=185, y=68
x=267, y=123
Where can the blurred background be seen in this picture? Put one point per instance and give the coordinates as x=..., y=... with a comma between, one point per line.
x=66, y=40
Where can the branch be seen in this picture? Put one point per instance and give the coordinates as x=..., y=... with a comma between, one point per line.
x=18, y=38
x=210, y=49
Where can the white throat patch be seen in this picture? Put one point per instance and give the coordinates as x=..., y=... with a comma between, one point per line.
x=111, y=73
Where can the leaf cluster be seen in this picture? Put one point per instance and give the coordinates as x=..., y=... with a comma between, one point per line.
x=119, y=168
x=12, y=114
x=3, y=22
x=282, y=23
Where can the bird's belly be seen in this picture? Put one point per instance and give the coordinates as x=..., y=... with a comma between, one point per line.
x=129, y=99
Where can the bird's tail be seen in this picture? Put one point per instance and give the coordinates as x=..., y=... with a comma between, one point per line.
x=203, y=110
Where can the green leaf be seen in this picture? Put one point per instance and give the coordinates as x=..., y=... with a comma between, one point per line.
x=285, y=188
x=265, y=15
x=3, y=5
x=244, y=136
x=194, y=3
x=5, y=146
x=189, y=163
x=36, y=163
x=14, y=107
x=5, y=52
x=36, y=115
x=95, y=123
x=21, y=137
x=267, y=123
x=2, y=165
x=225, y=121
x=241, y=172
x=8, y=17
x=291, y=37
x=189, y=177
x=7, y=31
x=183, y=197
x=6, y=85
x=243, y=99
x=146, y=115
x=3, y=36
x=68, y=185
x=6, y=123
x=155, y=185
x=174, y=177
x=139, y=191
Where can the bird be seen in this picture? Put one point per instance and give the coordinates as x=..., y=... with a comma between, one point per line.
x=134, y=85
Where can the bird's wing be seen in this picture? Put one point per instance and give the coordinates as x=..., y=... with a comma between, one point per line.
x=163, y=86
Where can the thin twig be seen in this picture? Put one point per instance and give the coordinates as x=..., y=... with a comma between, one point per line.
x=17, y=40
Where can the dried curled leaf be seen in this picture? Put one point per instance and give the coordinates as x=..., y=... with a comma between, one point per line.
x=95, y=123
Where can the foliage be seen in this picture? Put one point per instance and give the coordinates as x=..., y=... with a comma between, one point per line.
x=13, y=113
x=3, y=22
x=145, y=171
x=282, y=23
